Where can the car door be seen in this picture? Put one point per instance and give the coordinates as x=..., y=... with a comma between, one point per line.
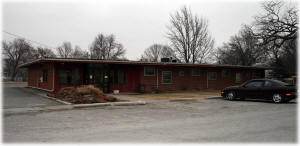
x=252, y=89
x=268, y=89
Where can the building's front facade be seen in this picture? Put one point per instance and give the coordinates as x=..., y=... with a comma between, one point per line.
x=133, y=76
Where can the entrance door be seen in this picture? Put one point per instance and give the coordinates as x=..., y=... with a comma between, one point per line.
x=97, y=75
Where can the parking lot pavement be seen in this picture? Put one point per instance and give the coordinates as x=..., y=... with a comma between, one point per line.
x=17, y=96
x=206, y=120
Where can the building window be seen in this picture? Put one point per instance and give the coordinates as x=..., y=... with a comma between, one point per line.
x=248, y=74
x=166, y=77
x=225, y=72
x=149, y=71
x=196, y=72
x=118, y=77
x=238, y=77
x=69, y=76
x=212, y=76
x=45, y=75
x=181, y=73
x=256, y=75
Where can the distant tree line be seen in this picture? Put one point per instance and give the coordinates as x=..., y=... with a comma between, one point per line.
x=20, y=51
x=271, y=40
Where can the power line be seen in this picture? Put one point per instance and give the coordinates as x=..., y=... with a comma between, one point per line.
x=18, y=36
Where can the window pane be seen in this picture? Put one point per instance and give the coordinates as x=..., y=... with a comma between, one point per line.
x=225, y=72
x=121, y=77
x=212, y=76
x=166, y=77
x=181, y=73
x=238, y=77
x=67, y=76
x=196, y=72
x=75, y=79
x=45, y=75
x=256, y=74
x=268, y=84
x=149, y=71
x=254, y=84
x=63, y=76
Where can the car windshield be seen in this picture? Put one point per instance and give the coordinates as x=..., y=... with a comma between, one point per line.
x=281, y=83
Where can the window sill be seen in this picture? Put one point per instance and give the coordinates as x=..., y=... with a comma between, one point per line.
x=167, y=83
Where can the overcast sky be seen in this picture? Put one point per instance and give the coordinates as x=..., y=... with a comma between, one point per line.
x=136, y=23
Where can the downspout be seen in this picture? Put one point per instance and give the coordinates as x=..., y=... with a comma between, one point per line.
x=207, y=79
x=53, y=83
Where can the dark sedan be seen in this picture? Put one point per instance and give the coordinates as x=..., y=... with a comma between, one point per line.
x=266, y=89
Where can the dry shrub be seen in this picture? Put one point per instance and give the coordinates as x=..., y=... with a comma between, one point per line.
x=83, y=91
x=84, y=94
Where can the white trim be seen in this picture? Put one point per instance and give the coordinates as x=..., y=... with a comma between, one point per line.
x=40, y=88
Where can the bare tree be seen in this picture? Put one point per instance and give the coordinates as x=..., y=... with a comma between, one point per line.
x=189, y=36
x=277, y=25
x=44, y=53
x=242, y=49
x=65, y=51
x=17, y=52
x=157, y=51
x=79, y=53
x=106, y=47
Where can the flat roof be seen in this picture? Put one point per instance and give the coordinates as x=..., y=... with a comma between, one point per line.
x=142, y=63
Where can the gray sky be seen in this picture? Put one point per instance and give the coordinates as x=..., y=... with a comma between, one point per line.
x=136, y=23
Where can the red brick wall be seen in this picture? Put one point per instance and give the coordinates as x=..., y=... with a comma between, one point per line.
x=135, y=78
x=190, y=82
x=36, y=72
x=132, y=81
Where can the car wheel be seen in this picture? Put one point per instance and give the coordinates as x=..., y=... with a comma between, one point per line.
x=230, y=95
x=277, y=98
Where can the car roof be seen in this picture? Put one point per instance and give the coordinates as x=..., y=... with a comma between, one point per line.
x=272, y=80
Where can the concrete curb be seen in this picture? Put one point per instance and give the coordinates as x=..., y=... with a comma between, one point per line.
x=183, y=99
x=213, y=97
x=194, y=98
x=127, y=103
x=55, y=99
x=16, y=111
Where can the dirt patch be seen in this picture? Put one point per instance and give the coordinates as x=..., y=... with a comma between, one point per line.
x=182, y=94
x=83, y=95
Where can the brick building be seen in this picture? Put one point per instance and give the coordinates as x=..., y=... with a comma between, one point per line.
x=52, y=74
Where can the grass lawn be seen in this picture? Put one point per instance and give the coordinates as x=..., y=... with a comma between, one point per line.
x=181, y=94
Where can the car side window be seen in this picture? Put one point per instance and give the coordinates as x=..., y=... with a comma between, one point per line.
x=270, y=84
x=254, y=84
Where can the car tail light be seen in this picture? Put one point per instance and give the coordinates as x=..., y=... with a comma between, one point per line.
x=288, y=94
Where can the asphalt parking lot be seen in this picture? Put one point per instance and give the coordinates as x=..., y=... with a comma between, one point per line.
x=17, y=96
x=200, y=121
